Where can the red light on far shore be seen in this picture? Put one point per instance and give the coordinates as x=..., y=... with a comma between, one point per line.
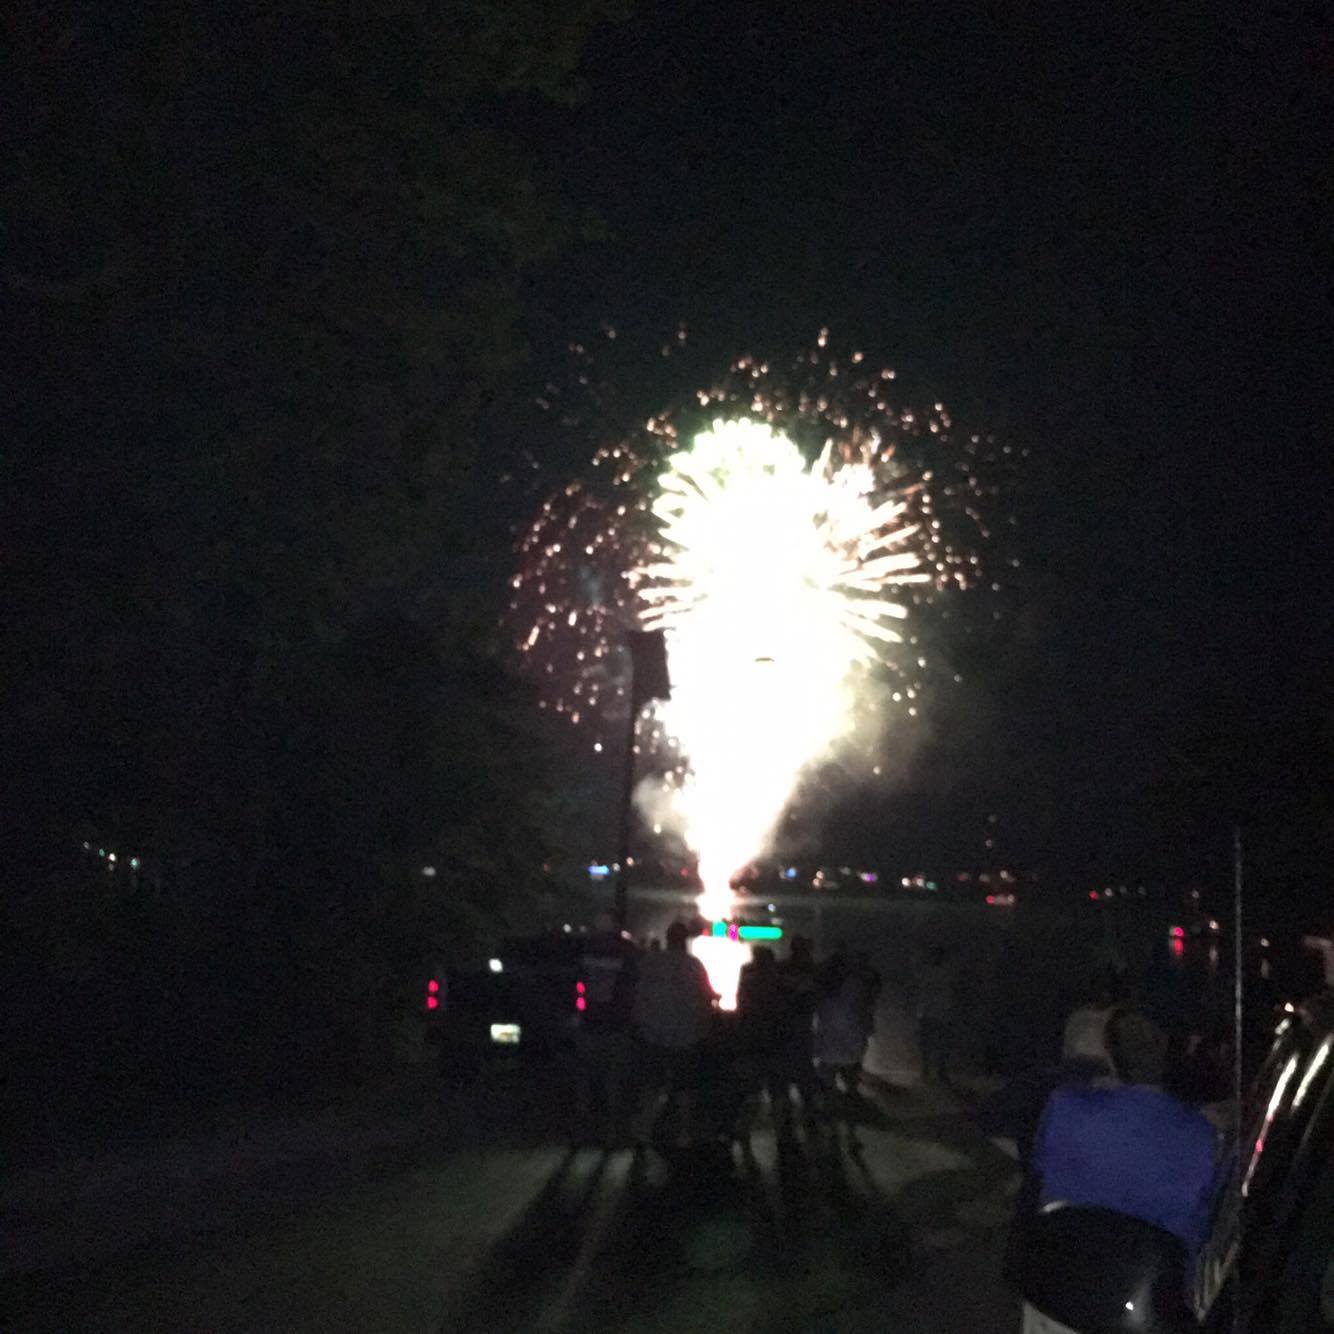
x=433, y=986
x=1177, y=932
x=991, y=898
x=581, y=1004
x=579, y=989
x=432, y=1002
x=1094, y=895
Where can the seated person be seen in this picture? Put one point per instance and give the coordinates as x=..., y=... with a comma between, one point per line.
x=1123, y=1143
x=1126, y=1144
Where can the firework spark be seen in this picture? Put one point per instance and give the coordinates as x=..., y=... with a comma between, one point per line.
x=792, y=554
x=772, y=590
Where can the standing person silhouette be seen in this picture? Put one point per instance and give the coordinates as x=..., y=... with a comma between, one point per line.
x=672, y=1008
x=762, y=1025
x=800, y=996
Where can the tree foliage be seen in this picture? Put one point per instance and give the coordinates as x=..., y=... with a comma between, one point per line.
x=262, y=267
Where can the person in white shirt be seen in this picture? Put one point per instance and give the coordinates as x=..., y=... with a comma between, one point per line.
x=841, y=1035
x=1084, y=1042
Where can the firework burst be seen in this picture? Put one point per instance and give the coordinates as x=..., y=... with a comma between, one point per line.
x=750, y=527
x=770, y=578
x=791, y=553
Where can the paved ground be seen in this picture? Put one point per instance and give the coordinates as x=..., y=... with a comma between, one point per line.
x=481, y=1220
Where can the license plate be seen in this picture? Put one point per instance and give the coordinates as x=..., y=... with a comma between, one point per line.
x=506, y=1034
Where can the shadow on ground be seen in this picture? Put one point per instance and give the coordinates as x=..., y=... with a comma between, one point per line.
x=777, y=1234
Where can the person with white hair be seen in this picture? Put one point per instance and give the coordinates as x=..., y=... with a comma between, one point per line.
x=1124, y=1144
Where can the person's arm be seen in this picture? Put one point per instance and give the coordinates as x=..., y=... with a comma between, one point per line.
x=1041, y=1145
x=1213, y=1171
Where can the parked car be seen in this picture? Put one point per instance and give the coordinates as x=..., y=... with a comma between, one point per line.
x=1272, y=1244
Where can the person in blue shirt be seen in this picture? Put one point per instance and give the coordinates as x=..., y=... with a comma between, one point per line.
x=1124, y=1143
x=1127, y=1144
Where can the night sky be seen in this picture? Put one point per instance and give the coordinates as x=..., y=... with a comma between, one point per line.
x=1101, y=231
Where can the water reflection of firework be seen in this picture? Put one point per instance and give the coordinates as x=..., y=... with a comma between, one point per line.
x=789, y=551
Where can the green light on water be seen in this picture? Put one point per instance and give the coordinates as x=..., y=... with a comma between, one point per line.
x=746, y=932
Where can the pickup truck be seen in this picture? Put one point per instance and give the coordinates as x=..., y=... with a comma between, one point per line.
x=529, y=1000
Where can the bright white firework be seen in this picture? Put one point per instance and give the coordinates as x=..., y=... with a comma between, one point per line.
x=773, y=584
